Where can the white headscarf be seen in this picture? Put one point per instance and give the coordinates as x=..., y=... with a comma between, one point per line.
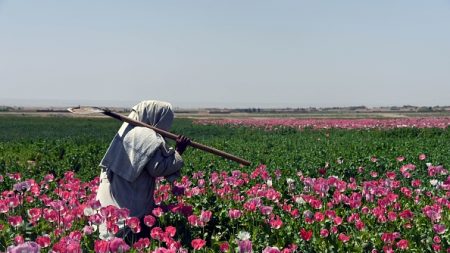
x=156, y=113
x=132, y=147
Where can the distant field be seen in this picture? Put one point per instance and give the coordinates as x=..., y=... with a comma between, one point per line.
x=202, y=114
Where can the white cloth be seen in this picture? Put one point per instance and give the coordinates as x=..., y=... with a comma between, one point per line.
x=132, y=147
x=137, y=156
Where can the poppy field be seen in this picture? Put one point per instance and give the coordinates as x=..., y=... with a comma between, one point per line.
x=313, y=189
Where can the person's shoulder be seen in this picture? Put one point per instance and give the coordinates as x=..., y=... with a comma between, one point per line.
x=144, y=131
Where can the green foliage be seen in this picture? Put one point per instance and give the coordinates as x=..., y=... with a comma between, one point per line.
x=39, y=145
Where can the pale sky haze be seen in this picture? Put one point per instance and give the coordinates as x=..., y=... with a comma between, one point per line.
x=226, y=53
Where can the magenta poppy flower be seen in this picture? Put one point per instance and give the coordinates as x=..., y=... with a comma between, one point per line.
x=157, y=233
x=194, y=220
x=337, y=220
x=400, y=158
x=35, y=214
x=29, y=247
x=403, y=244
x=18, y=239
x=171, y=231
x=436, y=247
x=134, y=224
x=198, y=243
x=4, y=208
x=271, y=250
x=437, y=239
x=224, y=247
x=319, y=217
x=324, y=233
x=118, y=245
x=266, y=210
x=306, y=234
x=234, y=213
x=158, y=212
x=43, y=241
x=205, y=216
x=439, y=228
x=141, y=244
x=15, y=221
x=276, y=222
x=245, y=246
x=149, y=220
x=101, y=246
x=343, y=237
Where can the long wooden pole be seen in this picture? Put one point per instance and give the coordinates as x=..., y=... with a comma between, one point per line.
x=174, y=137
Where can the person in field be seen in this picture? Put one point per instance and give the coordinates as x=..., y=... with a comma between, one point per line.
x=134, y=159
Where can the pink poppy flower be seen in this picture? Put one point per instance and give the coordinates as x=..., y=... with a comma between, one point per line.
x=400, y=158
x=158, y=212
x=18, y=239
x=101, y=246
x=118, y=245
x=306, y=234
x=43, y=241
x=134, y=224
x=198, y=243
x=67, y=244
x=4, y=208
x=388, y=249
x=149, y=220
x=391, y=175
x=324, y=233
x=35, y=214
x=319, y=217
x=50, y=215
x=15, y=221
x=403, y=244
x=337, y=220
x=29, y=247
x=436, y=247
x=266, y=210
x=112, y=227
x=343, y=237
x=276, y=222
x=359, y=225
x=194, y=220
x=224, y=247
x=76, y=235
x=141, y=244
x=245, y=246
x=392, y=216
x=171, y=231
x=322, y=171
x=271, y=250
x=88, y=230
x=234, y=213
x=437, y=239
x=96, y=219
x=439, y=228
x=205, y=216
x=157, y=233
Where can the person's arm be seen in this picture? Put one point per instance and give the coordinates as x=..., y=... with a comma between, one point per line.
x=182, y=143
x=164, y=163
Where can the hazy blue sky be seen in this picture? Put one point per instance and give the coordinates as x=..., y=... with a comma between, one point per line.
x=226, y=53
